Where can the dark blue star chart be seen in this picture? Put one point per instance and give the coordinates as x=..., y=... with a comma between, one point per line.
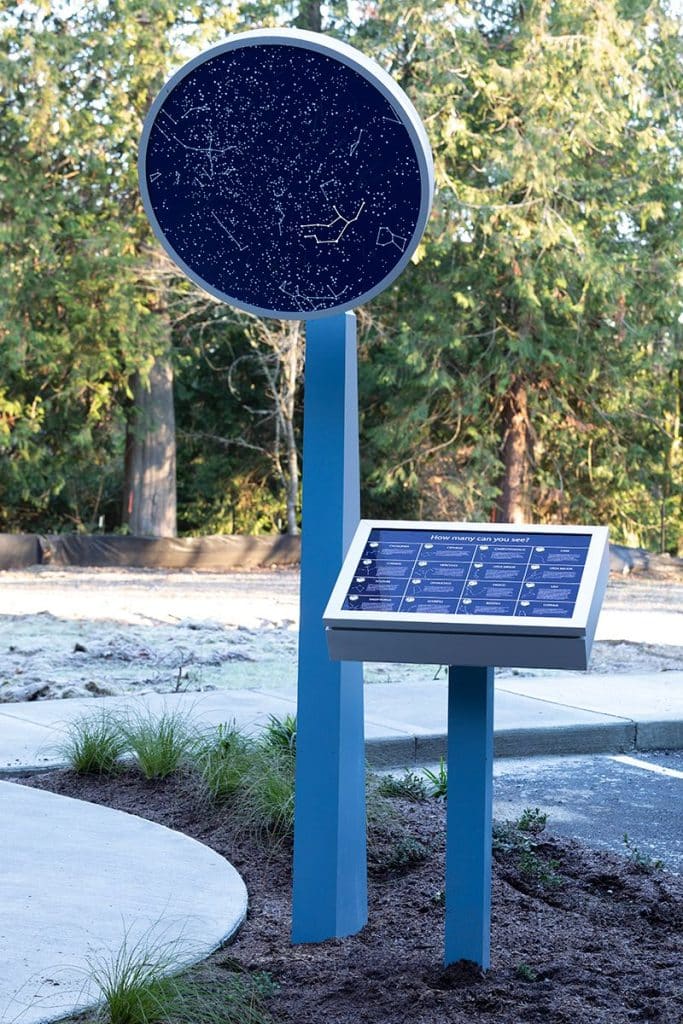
x=526, y=575
x=282, y=179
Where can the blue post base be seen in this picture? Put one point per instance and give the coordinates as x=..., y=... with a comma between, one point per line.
x=470, y=794
x=329, y=898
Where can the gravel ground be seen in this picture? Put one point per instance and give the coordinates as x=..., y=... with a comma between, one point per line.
x=79, y=632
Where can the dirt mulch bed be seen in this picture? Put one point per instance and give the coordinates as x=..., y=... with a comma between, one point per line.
x=578, y=936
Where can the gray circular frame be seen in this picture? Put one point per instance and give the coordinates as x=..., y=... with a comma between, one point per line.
x=369, y=70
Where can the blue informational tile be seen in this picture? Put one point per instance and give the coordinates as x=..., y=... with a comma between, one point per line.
x=502, y=573
x=442, y=570
x=529, y=596
x=560, y=555
x=434, y=588
x=545, y=609
x=554, y=573
x=473, y=606
x=550, y=591
x=370, y=603
x=492, y=591
x=429, y=605
x=391, y=549
x=380, y=586
x=448, y=552
x=384, y=567
x=503, y=553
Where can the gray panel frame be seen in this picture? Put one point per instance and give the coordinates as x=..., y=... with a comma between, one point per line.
x=372, y=72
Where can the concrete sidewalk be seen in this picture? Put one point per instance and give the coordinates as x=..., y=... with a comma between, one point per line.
x=405, y=723
x=80, y=883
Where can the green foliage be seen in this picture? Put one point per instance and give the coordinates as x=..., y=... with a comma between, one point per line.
x=518, y=842
x=549, y=273
x=94, y=744
x=408, y=786
x=224, y=760
x=254, y=777
x=642, y=862
x=266, y=800
x=438, y=780
x=85, y=293
x=280, y=734
x=556, y=222
x=142, y=985
x=392, y=848
x=135, y=985
x=162, y=744
x=406, y=853
x=532, y=820
x=525, y=972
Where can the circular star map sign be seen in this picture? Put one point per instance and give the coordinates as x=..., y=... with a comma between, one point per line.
x=286, y=174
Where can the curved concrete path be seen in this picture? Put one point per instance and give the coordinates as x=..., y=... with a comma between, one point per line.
x=77, y=881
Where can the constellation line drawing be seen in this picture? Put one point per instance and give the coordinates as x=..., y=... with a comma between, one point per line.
x=347, y=222
x=385, y=236
x=396, y=119
x=228, y=233
x=311, y=301
x=356, y=144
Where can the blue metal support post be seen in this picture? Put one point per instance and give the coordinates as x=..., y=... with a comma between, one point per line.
x=330, y=863
x=470, y=794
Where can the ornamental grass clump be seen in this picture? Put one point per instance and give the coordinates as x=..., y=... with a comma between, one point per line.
x=254, y=776
x=94, y=744
x=162, y=744
x=146, y=985
x=223, y=761
x=136, y=986
x=265, y=799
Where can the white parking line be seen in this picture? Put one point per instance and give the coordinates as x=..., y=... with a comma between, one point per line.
x=673, y=773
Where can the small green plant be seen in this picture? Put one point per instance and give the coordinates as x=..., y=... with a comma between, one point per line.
x=280, y=733
x=525, y=972
x=535, y=869
x=518, y=840
x=642, y=862
x=142, y=985
x=438, y=780
x=532, y=820
x=135, y=986
x=408, y=786
x=407, y=852
x=161, y=743
x=224, y=760
x=94, y=744
x=264, y=802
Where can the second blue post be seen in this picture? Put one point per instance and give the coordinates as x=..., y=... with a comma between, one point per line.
x=470, y=796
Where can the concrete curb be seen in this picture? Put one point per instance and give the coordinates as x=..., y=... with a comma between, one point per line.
x=605, y=738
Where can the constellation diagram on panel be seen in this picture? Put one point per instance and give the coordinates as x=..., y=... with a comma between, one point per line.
x=282, y=178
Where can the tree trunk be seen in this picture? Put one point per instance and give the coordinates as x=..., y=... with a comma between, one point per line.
x=291, y=369
x=150, y=466
x=514, y=504
x=310, y=15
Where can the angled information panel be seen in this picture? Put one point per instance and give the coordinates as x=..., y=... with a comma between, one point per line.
x=469, y=594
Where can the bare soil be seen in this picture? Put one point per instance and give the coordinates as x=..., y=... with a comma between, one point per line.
x=578, y=936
